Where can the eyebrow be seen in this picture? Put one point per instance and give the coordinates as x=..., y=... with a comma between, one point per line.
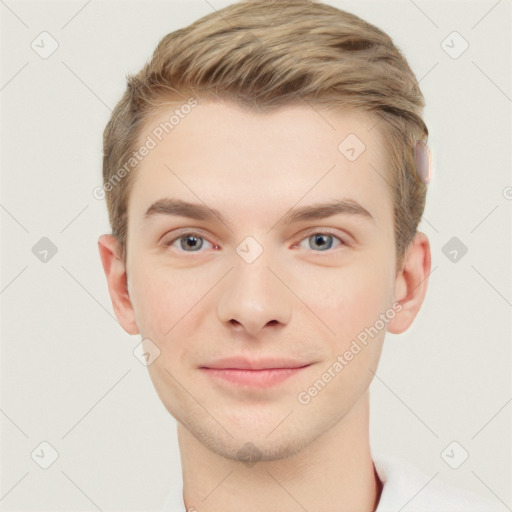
x=318, y=211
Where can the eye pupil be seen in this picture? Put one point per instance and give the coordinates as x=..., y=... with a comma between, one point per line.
x=194, y=241
x=320, y=239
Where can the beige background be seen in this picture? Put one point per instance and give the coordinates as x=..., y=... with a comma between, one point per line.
x=68, y=374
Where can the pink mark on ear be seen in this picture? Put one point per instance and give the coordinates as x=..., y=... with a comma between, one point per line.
x=422, y=161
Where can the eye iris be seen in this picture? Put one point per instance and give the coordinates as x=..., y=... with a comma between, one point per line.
x=186, y=245
x=321, y=238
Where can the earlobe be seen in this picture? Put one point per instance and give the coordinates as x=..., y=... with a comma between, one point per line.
x=411, y=283
x=115, y=272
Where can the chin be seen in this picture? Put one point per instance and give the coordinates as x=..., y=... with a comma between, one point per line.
x=248, y=442
x=250, y=452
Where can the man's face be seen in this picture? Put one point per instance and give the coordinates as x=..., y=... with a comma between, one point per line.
x=257, y=285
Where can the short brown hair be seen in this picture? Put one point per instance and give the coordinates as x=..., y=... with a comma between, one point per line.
x=263, y=54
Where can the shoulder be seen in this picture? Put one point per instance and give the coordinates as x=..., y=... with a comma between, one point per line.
x=405, y=484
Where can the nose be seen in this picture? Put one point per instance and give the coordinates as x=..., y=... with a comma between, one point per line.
x=253, y=296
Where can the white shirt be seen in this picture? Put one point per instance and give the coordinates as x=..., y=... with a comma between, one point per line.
x=405, y=487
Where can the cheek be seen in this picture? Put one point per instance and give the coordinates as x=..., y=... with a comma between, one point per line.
x=159, y=300
x=352, y=309
x=170, y=306
x=351, y=300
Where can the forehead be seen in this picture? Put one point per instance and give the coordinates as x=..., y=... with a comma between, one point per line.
x=242, y=162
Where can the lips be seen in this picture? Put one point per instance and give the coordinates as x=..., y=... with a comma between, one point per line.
x=258, y=373
x=241, y=363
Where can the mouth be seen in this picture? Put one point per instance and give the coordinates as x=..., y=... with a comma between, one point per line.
x=252, y=373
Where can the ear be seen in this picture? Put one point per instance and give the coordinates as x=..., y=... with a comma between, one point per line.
x=115, y=271
x=411, y=283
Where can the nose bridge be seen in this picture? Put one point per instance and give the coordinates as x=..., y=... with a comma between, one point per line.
x=252, y=296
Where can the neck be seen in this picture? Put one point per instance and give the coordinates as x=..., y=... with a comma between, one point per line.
x=334, y=472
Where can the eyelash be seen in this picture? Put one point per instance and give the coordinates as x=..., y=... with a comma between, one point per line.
x=324, y=231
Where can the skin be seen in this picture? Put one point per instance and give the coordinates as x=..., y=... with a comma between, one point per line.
x=296, y=300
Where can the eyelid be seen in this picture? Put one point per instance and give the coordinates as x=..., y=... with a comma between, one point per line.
x=177, y=234
x=312, y=231
x=343, y=237
x=323, y=231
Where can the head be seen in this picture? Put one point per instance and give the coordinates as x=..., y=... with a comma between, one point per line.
x=255, y=112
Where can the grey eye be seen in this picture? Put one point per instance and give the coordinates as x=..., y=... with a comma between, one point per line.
x=191, y=242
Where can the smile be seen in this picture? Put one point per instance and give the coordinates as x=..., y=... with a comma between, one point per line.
x=261, y=378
